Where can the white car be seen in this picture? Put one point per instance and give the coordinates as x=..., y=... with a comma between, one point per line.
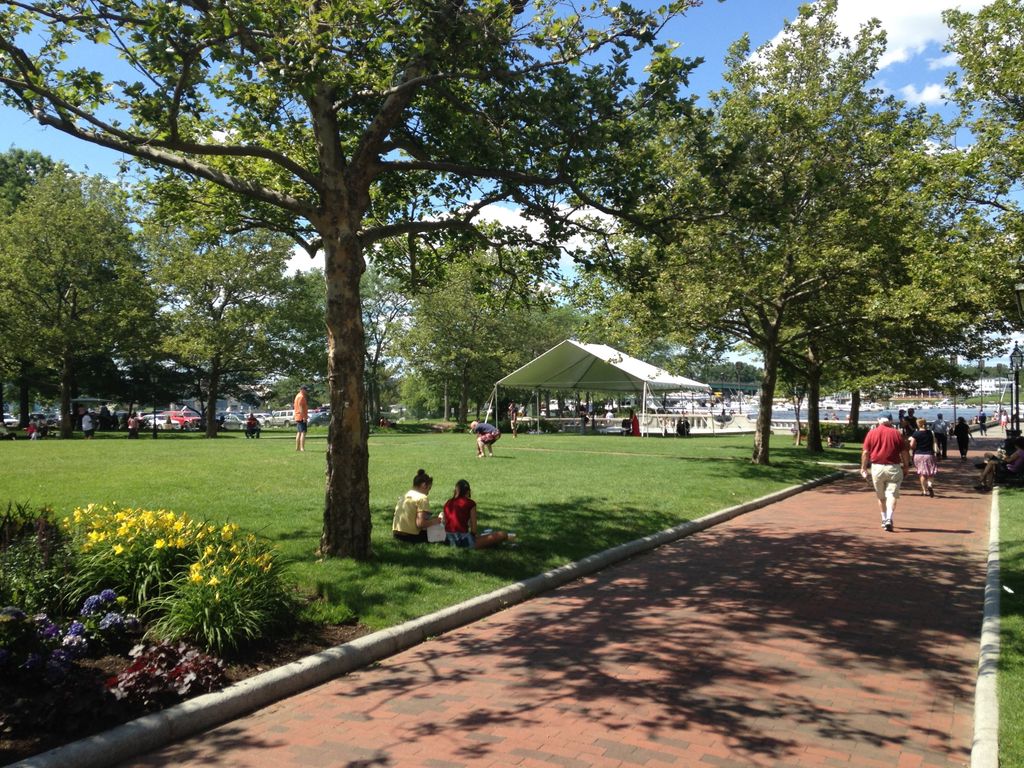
x=10, y=421
x=282, y=418
x=231, y=422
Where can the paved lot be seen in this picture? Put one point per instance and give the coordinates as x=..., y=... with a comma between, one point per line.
x=798, y=635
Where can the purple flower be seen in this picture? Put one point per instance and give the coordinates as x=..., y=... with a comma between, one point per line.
x=46, y=629
x=91, y=605
x=112, y=621
x=108, y=595
x=76, y=646
x=58, y=664
x=131, y=622
x=76, y=629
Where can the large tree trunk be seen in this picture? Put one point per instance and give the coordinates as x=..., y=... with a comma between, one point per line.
x=67, y=419
x=346, y=530
x=813, y=404
x=762, y=437
x=23, y=398
x=464, y=397
x=854, y=410
x=212, y=394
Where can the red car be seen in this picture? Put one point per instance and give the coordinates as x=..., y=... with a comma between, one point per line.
x=183, y=420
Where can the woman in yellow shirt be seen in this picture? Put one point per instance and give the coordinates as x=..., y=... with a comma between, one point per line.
x=412, y=513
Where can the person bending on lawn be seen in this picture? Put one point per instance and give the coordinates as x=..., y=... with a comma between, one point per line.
x=486, y=436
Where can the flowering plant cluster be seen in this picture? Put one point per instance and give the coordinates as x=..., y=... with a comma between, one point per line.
x=36, y=646
x=210, y=584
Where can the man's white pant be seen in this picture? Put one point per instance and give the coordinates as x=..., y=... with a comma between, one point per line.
x=887, y=479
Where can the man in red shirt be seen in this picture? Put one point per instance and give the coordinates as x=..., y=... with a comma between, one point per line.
x=889, y=454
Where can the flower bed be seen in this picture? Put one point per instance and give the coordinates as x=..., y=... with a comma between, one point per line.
x=124, y=611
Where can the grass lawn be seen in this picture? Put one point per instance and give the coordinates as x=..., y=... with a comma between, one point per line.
x=1011, y=660
x=567, y=496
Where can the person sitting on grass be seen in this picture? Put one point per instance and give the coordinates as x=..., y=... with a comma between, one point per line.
x=460, y=522
x=996, y=468
x=412, y=513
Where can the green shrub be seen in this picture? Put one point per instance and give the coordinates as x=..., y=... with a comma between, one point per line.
x=233, y=595
x=35, y=559
x=195, y=581
x=136, y=552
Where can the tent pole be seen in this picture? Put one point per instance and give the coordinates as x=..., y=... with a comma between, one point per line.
x=643, y=410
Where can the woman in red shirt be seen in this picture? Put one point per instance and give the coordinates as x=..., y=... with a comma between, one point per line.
x=460, y=522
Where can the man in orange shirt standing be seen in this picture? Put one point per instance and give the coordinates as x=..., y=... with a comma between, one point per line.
x=301, y=407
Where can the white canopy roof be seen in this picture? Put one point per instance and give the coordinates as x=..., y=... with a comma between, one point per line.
x=598, y=367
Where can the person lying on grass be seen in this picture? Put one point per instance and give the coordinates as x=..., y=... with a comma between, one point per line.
x=460, y=522
x=412, y=513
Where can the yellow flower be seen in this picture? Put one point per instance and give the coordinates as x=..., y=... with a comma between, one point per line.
x=180, y=543
x=213, y=582
x=159, y=544
x=227, y=532
x=118, y=549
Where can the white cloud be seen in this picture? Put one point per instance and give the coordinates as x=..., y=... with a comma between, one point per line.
x=933, y=93
x=945, y=62
x=300, y=261
x=910, y=25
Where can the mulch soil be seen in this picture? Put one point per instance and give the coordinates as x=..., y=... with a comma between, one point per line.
x=15, y=747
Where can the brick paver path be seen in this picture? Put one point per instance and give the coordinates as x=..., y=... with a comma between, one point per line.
x=797, y=635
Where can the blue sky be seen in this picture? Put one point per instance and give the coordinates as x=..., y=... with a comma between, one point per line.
x=914, y=67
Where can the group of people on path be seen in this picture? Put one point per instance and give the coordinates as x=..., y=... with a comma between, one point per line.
x=413, y=521
x=889, y=450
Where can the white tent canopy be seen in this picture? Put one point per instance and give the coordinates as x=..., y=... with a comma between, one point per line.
x=595, y=367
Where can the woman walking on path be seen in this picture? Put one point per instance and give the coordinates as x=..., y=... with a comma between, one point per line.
x=962, y=433
x=922, y=446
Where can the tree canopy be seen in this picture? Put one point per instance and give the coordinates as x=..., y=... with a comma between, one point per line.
x=333, y=121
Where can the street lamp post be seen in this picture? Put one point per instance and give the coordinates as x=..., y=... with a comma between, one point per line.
x=1016, y=363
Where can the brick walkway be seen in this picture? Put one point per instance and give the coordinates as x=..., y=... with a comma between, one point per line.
x=797, y=635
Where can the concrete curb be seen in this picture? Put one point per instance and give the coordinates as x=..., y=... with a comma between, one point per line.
x=154, y=731
x=985, y=748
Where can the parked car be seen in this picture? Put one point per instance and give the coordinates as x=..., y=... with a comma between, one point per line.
x=183, y=420
x=282, y=418
x=10, y=421
x=231, y=422
x=42, y=417
x=148, y=418
x=261, y=416
x=321, y=416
